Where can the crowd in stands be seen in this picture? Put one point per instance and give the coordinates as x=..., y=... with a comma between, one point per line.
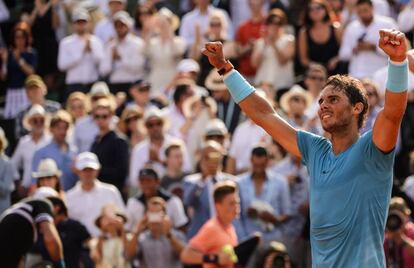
x=112, y=104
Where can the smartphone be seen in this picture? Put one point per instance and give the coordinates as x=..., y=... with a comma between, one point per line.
x=155, y=216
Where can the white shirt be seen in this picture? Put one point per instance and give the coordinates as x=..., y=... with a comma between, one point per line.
x=23, y=155
x=105, y=30
x=408, y=187
x=380, y=77
x=187, y=29
x=381, y=7
x=87, y=206
x=365, y=63
x=140, y=156
x=176, y=119
x=406, y=18
x=245, y=137
x=136, y=210
x=80, y=66
x=130, y=65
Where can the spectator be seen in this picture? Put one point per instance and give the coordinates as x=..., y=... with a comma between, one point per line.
x=104, y=29
x=276, y=254
x=7, y=174
x=123, y=62
x=173, y=180
x=149, y=183
x=198, y=186
x=36, y=91
x=408, y=186
x=154, y=238
x=319, y=37
x=130, y=125
x=18, y=63
x=374, y=104
x=153, y=147
x=206, y=247
x=77, y=105
x=406, y=17
x=215, y=130
x=227, y=110
x=274, y=52
x=86, y=200
x=198, y=20
x=164, y=51
x=47, y=174
x=265, y=200
x=399, y=235
x=315, y=79
x=59, y=149
x=360, y=40
x=144, y=21
x=110, y=147
x=247, y=33
x=140, y=93
x=80, y=55
x=38, y=137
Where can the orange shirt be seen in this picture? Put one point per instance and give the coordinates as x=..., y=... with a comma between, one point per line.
x=212, y=237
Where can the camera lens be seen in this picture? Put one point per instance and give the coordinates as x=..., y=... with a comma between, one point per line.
x=394, y=222
x=279, y=261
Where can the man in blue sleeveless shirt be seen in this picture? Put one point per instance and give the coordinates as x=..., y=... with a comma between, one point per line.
x=351, y=175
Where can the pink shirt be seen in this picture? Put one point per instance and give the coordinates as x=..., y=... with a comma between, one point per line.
x=408, y=259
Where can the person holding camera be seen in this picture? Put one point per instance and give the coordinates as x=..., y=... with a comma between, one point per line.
x=399, y=235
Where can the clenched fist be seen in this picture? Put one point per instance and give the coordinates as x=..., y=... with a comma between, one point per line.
x=214, y=52
x=393, y=43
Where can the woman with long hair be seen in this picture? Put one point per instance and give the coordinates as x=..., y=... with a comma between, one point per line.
x=319, y=38
x=129, y=125
x=77, y=105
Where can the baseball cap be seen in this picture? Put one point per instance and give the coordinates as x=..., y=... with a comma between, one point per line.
x=123, y=17
x=99, y=88
x=216, y=127
x=148, y=172
x=80, y=14
x=87, y=160
x=188, y=65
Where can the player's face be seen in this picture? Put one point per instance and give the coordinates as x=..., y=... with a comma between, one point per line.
x=229, y=208
x=335, y=110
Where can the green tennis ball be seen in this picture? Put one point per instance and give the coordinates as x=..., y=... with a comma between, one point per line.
x=228, y=249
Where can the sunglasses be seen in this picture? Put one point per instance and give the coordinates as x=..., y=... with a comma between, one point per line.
x=37, y=121
x=215, y=137
x=101, y=116
x=132, y=118
x=275, y=23
x=76, y=107
x=215, y=24
x=318, y=78
x=316, y=8
x=296, y=99
x=370, y=93
x=154, y=124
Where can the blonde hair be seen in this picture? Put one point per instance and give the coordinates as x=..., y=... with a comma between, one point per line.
x=77, y=95
x=218, y=14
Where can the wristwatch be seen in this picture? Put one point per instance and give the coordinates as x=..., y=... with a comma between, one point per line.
x=226, y=68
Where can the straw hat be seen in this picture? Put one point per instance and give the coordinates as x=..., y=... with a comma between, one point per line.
x=296, y=90
x=110, y=210
x=35, y=110
x=171, y=17
x=47, y=168
x=189, y=102
x=214, y=81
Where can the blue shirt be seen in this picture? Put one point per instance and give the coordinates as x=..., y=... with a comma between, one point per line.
x=349, y=197
x=275, y=192
x=63, y=159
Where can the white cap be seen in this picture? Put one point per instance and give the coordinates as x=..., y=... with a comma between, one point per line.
x=216, y=127
x=188, y=65
x=123, y=17
x=36, y=109
x=80, y=14
x=44, y=192
x=99, y=88
x=153, y=112
x=87, y=160
x=47, y=168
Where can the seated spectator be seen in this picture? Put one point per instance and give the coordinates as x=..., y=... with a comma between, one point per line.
x=77, y=105
x=36, y=91
x=109, y=251
x=48, y=175
x=8, y=174
x=399, y=235
x=130, y=125
x=276, y=254
x=374, y=104
x=59, y=149
x=207, y=246
x=215, y=130
x=265, y=199
x=173, y=180
x=86, y=200
x=149, y=184
x=38, y=137
x=314, y=81
x=140, y=94
x=154, y=239
x=198, y=187
x=110, y=147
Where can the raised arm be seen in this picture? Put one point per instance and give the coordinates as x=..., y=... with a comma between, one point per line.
x=254, y=106
x=387, y=124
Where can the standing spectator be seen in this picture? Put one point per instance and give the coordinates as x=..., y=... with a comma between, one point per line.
x=110, y=147
x=123, y=61
x=154, y=238
x=59, y=150
x=86, y=200
x=319, y=37
x=374, y=104
x=144, y=21
x=77, y=105
x=264, y=198
x=359, y=43
x=150, y=187
x=173, y=180
x=248, y=32
x=164, y=51
x=38, y=137
x=408, y=186
x=406, y=18
x=36, y=91
x=206, y=247
x=227, y=110
x=273, y=53
x=18, y=63
x=198, y=187
x=80, y=55
x=215, y=130
x=130, y=125
x=7, y=174
x=315, y=79
x=152, y=148
x=105, y=29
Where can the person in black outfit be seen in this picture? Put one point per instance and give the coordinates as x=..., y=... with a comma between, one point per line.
x=21, y=224
x=110, y=147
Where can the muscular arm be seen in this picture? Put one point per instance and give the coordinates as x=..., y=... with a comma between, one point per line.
x=51, y=240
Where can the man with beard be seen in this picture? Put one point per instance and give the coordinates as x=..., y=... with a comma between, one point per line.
x=351, y=175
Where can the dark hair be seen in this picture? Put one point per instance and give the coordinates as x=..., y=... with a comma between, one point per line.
x=171, y=147
x=354, y=90
x=278, y=14
x=308, y=22
x=148, y=172
x=222, y=189
x=179, y=91
x=361, y=2
x=259, y=151
x=27, y=33
x=142, y=9
x=57, y=201
x=58, y=185
x=60, y=116
x=316, y=67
